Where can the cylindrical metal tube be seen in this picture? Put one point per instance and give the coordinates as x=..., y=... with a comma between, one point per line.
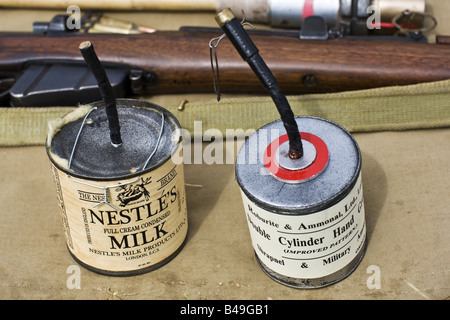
x=283, y=13
x=254, y=10
x=290, y=13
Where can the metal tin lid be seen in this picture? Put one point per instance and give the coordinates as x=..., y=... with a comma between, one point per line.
x=326, y=178
x=149, y=133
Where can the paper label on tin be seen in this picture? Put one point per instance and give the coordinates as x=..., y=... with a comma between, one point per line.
x=309, y=246
x=142, y=221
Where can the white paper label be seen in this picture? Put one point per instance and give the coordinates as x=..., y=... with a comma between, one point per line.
x=142, y=223
x=309, y=246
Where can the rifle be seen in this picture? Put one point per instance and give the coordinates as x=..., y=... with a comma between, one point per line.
x=37, y=70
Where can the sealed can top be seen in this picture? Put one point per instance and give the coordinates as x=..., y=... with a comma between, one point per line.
x=325, y=174
x=80, y=144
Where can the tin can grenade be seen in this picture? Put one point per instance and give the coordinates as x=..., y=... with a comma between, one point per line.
x=301, y=190
x=121, y=195
x=122, y=214
x=305, y=217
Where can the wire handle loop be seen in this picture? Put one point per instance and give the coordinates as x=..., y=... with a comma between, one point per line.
x=213, y=57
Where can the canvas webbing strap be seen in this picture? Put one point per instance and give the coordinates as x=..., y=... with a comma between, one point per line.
x=420, y=106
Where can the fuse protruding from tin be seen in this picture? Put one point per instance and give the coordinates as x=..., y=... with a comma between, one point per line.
x=93, y=62
x=249, y=52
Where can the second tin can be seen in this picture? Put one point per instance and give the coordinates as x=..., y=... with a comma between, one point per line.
x=306, y=216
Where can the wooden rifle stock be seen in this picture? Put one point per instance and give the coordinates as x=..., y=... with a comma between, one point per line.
x=181, y=60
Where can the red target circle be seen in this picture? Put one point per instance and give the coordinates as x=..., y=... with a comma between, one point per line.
x=318, y=165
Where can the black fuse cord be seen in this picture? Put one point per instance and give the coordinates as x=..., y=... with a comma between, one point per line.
x=89, y=55
x=250, y=53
